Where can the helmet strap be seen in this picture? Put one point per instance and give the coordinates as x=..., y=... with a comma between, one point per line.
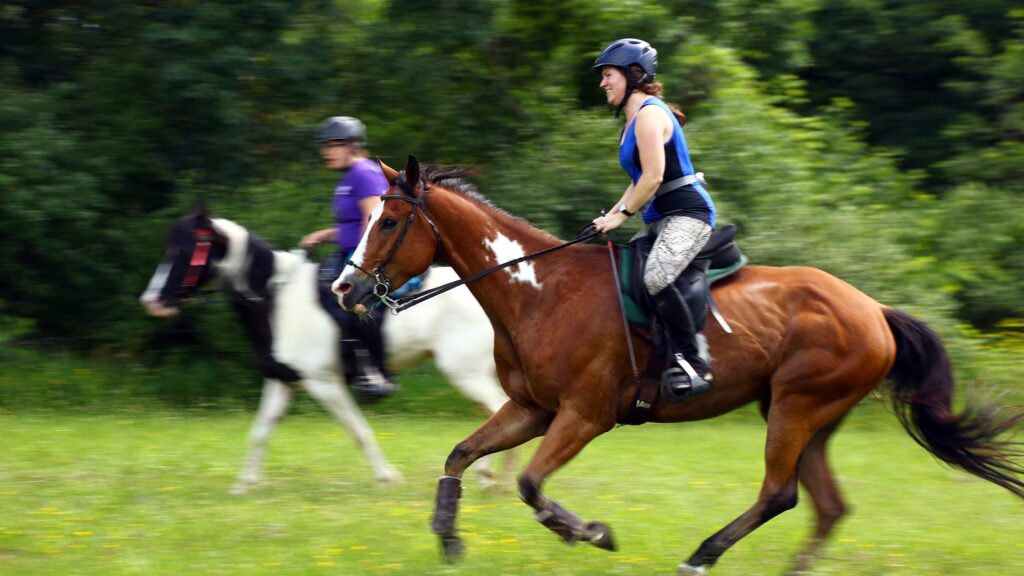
x=630, y=86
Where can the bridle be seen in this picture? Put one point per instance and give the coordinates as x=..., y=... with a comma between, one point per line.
x=382, y=286
x=203, y=241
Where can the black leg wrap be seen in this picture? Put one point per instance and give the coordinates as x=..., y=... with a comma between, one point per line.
x=561, y=522
x=446, y=508
x=572, y=529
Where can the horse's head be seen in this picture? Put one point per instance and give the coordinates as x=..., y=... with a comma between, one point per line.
x=192, y=245
x=400, y=242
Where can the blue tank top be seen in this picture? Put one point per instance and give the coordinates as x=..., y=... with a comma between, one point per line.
x=691, y=200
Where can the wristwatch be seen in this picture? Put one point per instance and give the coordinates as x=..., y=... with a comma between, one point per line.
x=624, y=210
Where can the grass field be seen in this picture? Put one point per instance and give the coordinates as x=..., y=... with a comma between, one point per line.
x=139, y=491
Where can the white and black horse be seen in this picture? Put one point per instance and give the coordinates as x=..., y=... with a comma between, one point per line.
x=296, y=341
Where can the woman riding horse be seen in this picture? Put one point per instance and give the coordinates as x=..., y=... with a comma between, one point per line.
x=679, y=211
x=805, y=346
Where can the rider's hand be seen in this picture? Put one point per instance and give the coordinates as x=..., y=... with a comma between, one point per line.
x=310, y=240
x=609, y=222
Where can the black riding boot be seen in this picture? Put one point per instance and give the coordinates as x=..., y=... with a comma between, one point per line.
x=362, y=348
x=369, y=379
x=687, y=374
x=361, y=361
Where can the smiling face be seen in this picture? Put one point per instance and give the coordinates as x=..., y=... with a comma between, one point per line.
x=613, y=82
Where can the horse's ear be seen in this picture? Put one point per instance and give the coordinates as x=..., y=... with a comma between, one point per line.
x=200, y=210
x=201, y=215
x=389, y=173
x=412, y=174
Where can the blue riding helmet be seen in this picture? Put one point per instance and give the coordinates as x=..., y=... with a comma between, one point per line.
x=345, y=128
x=628, y=52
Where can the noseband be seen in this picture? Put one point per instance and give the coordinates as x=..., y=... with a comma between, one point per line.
x=382, y=286
x=199, y=258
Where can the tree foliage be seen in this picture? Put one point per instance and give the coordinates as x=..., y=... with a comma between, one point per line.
x=878, y=140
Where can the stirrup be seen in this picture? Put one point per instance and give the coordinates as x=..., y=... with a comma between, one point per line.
x=372, y=386
x=680, y=381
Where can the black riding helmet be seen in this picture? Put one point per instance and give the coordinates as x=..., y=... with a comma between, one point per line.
x=345, y=128
x=628, y=52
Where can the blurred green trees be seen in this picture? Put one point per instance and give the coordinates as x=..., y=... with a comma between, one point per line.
x=880, y=141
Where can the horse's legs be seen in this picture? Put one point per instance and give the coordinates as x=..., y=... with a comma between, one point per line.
x=337, y=400
x=484, y=390
x=792, y=421
x=568, y=434
x=814, y=473
x=507, y=428
x=273, y=403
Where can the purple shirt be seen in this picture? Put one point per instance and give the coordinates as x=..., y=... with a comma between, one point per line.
x=363, y=179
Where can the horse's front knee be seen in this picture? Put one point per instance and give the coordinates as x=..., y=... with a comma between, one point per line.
x=458, y=460
x=781, y=500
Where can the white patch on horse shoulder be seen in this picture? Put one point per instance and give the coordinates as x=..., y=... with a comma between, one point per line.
x=506, y=249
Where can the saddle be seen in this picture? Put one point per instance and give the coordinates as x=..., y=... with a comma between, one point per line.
x=719, y=258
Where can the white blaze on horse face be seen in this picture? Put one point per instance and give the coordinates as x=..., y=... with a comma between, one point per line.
x=357, y=256
x=506, y=249
x=157, y=282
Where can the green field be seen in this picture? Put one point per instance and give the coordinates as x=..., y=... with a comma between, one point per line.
x=136, y=491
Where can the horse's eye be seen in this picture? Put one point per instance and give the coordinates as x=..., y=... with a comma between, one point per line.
x=388, y=223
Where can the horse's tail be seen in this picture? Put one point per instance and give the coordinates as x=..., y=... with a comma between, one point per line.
x=922, y=396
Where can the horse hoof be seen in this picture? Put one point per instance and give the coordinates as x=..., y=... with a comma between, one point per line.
x=687, y=570
x=486, y=478
x=601, y=536
x=389, y=477
x=453, y=548
x=243, y=487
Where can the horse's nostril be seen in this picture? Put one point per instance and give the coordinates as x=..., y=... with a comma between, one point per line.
x=344, y=288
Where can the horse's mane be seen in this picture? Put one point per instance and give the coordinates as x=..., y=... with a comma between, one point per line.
x=452, y=178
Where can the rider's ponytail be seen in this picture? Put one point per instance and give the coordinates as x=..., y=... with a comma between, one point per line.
x=639, y=78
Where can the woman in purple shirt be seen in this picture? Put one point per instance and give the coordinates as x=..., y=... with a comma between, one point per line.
x=342, y=145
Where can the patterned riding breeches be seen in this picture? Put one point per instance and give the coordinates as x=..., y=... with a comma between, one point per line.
x=680, y=239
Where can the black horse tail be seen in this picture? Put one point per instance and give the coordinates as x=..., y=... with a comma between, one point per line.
x=922, y=396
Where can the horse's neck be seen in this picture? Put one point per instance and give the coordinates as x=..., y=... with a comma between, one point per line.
x=477, y=237
x=248, y=266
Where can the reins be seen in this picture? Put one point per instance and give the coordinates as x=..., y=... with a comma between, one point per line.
x=399, y=304
x=383, y=285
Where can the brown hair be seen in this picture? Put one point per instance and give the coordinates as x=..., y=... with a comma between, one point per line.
x=636, y=73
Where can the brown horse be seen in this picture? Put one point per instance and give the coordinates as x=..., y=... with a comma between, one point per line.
x=805, y=346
